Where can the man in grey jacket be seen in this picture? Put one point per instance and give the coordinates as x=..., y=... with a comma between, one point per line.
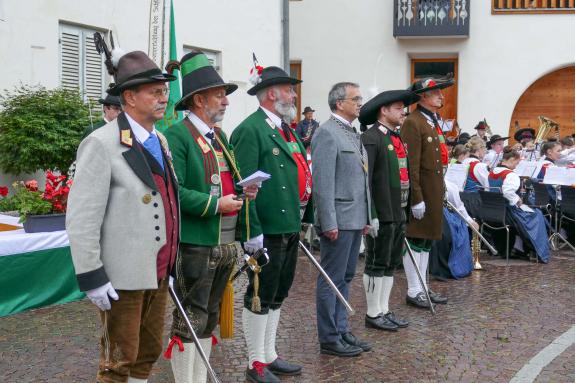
x=342, y=214
x=123, y=222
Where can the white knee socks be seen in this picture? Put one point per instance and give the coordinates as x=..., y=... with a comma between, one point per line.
x=385, y=293
x=271, y=331
x=413, y=286
x=372, y=287
x=254, y=326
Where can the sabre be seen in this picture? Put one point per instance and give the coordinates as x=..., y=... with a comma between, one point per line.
x=178, y=304
x=339, y=295
x=419, y=276
x=481, y=237
x=259, y=258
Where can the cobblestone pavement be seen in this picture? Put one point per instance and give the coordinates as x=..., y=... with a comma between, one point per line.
x=495, y=322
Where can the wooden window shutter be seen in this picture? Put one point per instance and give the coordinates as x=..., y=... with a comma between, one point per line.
x=70, y=56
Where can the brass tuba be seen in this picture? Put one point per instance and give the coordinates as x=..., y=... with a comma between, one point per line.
x=545, y=128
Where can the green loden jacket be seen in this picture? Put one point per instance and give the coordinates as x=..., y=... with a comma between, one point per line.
x=200, y=221
x=259, y=146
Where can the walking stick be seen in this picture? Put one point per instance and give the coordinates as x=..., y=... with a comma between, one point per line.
x=481, y=237
x=419, y=276
x=195, y=339
x=334, y=288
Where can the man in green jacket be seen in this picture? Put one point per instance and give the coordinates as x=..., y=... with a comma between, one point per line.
x=207, y=175
x=264, y=141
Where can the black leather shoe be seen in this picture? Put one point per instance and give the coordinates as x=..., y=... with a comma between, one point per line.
x=390, y=316
x=264, y=376
x=418, y=301
x=380, y=322
x=437, y=298
x=339, y=348
x=281, y=367
x=349, y=338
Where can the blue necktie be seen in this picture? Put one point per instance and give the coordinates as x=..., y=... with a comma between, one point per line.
x=152, y=145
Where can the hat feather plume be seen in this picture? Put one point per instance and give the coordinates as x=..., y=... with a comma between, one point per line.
x=256, y=72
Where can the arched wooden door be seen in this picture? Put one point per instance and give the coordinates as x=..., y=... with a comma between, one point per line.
x=552, y=96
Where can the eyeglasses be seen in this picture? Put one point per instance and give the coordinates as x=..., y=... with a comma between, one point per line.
x=160, y=92
x=356, y=99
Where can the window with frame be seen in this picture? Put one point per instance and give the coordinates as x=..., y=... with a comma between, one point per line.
x=81, y=67
x=214, y=57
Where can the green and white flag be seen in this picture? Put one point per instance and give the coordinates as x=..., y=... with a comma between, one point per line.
x=172, y=116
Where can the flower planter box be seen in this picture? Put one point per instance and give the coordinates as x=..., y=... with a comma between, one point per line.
x=44, y=223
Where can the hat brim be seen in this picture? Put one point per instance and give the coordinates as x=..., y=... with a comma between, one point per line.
x=271, y=82
x=491, y=142
x=518, y=134
x=308, y=111
x=368, y=112
x=181, y=104
x=118, y=89
x=438, y=85
x=103, y=101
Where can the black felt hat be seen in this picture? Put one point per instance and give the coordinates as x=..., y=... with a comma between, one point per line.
x=524, y=133
x=198, y=75
x=270, y=76
x=430, y=83
x=136, y=68
x=307, y=109
x=494, y=139
x=368, y=112
x=110, y=100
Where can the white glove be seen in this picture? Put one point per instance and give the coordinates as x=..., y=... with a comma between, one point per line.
x=99, y=296
x=418, y=210
x=374, y=228
x=171, y=282
x=254, y=244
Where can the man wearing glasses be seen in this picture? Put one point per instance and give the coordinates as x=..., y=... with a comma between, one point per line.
x=264, y=141
x=123, y=222
x=342, y=211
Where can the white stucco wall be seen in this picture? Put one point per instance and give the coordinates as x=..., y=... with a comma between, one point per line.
x=343, y=40
x=29, y=32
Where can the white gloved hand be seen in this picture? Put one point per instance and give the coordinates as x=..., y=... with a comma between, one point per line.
x=418, y=210
x=99, y=296
x=254, y=244
x=373, y=228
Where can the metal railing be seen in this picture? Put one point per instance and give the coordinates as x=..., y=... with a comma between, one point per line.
x=431, y=18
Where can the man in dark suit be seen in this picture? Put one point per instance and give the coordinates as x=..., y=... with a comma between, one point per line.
x=306, y=127
x=342, y=214
x=111, y=108
x=389, y=184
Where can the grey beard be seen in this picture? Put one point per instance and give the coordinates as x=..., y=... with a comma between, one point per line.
x=286, y=110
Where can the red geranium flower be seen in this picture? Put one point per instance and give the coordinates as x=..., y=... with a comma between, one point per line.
x=3, y=191
x=31, y=185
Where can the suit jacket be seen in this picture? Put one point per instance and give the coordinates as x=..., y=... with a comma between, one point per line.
x=259, y=146
x=340, y=183
x=113, y=210
x=201, y=222
x=384, y=179
x=426, y=175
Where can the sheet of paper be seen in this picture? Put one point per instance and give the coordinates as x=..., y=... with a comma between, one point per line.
x=556, y=175
x=457, y=174
x=529, y=169
x=254, y=179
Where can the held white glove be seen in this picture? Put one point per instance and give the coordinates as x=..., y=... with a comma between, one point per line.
x=254, y=244
x=374, y=228
x=99, y=296
x=418, y=210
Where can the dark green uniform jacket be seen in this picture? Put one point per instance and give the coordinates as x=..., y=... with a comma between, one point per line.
x=260, y=146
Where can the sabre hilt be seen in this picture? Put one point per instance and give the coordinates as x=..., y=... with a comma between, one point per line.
x=258, y=259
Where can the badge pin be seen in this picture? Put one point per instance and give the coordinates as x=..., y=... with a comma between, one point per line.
x=390, y=147
x=147, y=199
x=215, y=178
x=126, y=137
x=276, y=151
x=215, y=191
x=429, y=139
x=270, y=123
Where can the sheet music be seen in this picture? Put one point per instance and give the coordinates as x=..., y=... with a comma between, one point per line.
x=556, y=175
x=457, y=174
x=528, y=168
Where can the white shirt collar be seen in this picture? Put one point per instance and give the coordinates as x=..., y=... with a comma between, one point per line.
x=139, y=131
x=202, y=127
x=272, y=116
x=341, y=119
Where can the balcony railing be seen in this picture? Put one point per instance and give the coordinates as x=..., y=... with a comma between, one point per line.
x=532, y=6
x=431, y=18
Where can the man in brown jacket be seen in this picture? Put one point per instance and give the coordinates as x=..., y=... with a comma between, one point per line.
x=427, y=154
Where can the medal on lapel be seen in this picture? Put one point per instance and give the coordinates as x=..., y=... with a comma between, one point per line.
x=276, y=151
x=215, y=191
x=390, y=147
x=215, y=178
x=126, y=137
